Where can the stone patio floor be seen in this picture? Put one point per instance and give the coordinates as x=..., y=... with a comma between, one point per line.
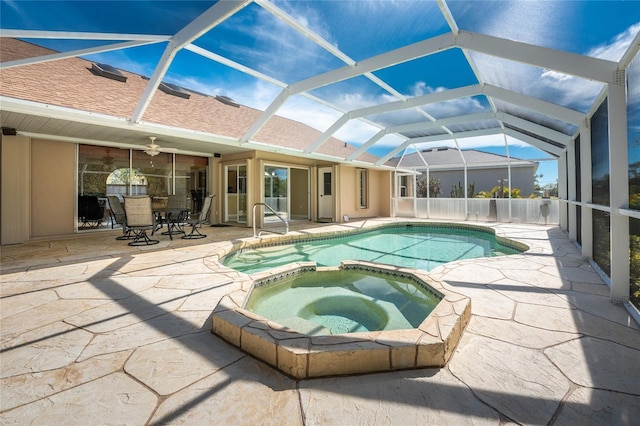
x=96, y=332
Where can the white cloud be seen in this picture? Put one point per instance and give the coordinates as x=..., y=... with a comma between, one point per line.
x=614, y=50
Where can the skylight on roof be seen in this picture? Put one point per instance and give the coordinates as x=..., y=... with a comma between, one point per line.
x=172, y=89
x=227, y=100
x=108, y=71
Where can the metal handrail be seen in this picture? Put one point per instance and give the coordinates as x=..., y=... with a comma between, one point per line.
x=286, y=224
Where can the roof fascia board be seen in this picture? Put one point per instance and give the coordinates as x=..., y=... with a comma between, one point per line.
x=534, y=104
x=71, y=35
x=203, y=23
x=74, y=53
x=565, y=62
x=62, y=113
x=543, y=131
x=546, y=147
x=77, y=116
x=105, y=143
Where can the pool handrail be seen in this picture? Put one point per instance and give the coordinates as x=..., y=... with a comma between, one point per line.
x=286, y=223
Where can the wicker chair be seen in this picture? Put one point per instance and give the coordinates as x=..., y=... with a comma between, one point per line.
x=197, y=220
x=140, y=219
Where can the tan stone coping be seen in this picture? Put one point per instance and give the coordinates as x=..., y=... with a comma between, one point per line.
x=303, y=356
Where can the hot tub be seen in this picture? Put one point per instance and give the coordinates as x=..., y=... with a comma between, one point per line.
x=376, y=338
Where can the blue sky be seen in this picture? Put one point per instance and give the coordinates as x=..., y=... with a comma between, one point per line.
x=360, y=29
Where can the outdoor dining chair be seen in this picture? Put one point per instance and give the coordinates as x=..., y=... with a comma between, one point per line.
x=118, y=217
x=140, y=219
x=176, y=214
x=196, y=221
x=90, y=212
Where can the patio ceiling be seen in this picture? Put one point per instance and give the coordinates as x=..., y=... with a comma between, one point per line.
x=405, y=76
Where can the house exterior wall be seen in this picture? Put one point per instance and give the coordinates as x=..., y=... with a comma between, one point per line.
x=39, y=187
x=379, y=193
x=345, y=182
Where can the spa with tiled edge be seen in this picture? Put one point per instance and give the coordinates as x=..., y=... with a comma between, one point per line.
x=301, y=355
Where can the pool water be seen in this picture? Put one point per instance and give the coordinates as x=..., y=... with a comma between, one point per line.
x=343, y=301
x=420, y=247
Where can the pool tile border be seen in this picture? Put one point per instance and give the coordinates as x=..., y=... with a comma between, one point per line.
x=302, y=356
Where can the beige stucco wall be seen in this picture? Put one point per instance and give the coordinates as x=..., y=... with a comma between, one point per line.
x=379, y=194
x=39, y=187
x=304, y=198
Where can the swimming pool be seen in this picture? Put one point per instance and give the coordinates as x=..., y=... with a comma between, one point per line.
x=418, y=246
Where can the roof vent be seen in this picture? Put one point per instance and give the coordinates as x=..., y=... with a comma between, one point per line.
x=227, y=100
x=172, y=89
x=107, y=71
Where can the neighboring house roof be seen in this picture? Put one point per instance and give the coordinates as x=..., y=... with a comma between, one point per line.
x=70, y=83
x=445, y=158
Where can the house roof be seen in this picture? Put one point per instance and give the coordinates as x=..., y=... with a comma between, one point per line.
x=444, y=158
x=412, y=74
x=71, y=84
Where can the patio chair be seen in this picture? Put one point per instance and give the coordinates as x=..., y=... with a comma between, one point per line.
x=118, y=217
x=197, y=220
x=175, y=214
x=90, y=212
x=140, y=219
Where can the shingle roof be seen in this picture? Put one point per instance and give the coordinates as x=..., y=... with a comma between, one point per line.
x=444, y=157
x=70, y=83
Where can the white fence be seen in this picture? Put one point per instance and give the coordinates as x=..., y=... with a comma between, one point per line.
x=521, y=210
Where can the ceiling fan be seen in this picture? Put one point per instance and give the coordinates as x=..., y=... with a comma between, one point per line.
x=154, y=149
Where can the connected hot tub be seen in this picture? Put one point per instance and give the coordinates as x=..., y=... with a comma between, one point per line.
x=360, y=317
x=344, y=300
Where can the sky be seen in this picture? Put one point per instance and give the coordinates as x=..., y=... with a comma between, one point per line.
x=358, y=30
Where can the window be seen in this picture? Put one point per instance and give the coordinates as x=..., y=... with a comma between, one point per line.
x=402, y=185
x=363, y=188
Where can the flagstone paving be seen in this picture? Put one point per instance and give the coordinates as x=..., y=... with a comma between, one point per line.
x=96, y=332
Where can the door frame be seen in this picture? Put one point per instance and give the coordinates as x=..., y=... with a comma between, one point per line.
x=326, y=204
